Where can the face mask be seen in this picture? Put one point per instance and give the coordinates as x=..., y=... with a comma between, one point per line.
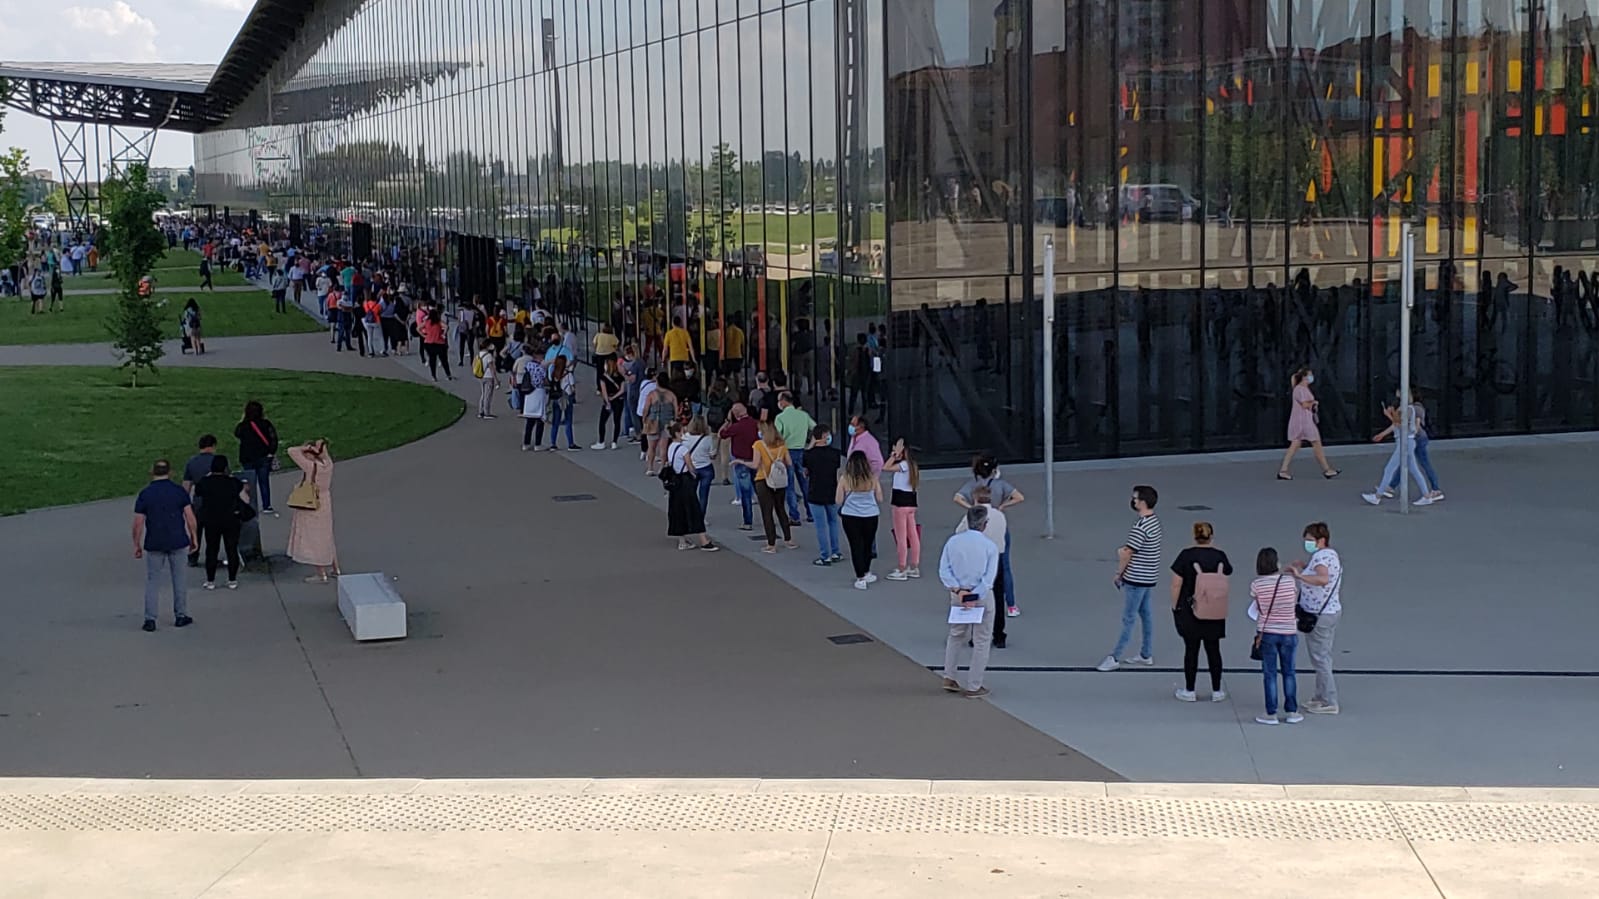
x=852, y=430
x=1310, y=546
x=1310, y=379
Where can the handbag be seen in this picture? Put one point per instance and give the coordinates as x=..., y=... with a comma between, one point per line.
x=305, y=496
x=271, y=450
x=1304, y=619
x=1254, y=651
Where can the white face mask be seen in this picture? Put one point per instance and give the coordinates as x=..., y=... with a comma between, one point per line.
x=1310, y=379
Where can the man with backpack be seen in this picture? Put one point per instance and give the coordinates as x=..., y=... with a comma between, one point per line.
x=37, y=286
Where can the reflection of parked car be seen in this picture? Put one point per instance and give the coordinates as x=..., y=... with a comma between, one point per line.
x=1158, y=202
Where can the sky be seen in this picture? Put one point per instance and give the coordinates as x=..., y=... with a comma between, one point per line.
x=112, y=31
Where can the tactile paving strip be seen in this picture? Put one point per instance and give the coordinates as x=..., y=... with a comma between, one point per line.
x=1129, y=818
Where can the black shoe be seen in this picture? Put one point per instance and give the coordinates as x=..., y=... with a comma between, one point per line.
x=999, y=642
x=194, y=563
x=149, y=625
x=181, y=621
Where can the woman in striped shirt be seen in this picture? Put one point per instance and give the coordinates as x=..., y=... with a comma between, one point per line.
x=1276, y=594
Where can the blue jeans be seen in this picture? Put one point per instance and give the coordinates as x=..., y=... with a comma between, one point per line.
x=744, y=489
x=1391, y=471
x=262, y=468
x=798, y=484
x=705, y=476
x=1277, y=654
x=1010, y=580
x=1424, y=462
x=561, y=414
x=630, y=419
x=1135, y=607
x=826, y=518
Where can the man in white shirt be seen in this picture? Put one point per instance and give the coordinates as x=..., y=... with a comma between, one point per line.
x=967, y=567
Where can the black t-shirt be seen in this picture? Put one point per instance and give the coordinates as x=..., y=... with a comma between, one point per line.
x=611, y=385
x=1210, y=561
x=214, y=495
x=821, y=469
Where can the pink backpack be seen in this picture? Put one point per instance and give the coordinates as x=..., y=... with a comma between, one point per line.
x=1210, y=595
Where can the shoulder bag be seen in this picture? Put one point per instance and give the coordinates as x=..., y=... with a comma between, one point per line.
x=1304, y=619
x=306, y=497
x=1254, y=650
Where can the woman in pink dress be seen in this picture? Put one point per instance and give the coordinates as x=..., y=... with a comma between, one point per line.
x=1302, y=427
x=311, y=531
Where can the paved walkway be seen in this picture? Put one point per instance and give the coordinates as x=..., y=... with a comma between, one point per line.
x=195, y=291
x=547, y=638
x=802, y=839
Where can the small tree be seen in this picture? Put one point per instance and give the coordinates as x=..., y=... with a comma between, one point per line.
x=129, y=236
x=13, y=206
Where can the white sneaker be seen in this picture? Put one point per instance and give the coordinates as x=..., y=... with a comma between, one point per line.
x=1438, y=497
x=1218, y=696
x=1184, y=695
x=613, y=445
x=1109, y=664
x=1371, y=498
x=861, y=584
x=1268, y=720
x=870, y=578
x=1387, y=494
x=898, y=575
x=641, y=457
x=735, y=501
x=1424, y=501
x=210, y=585
x=1013, y=611
x=1140, y=660
x=601, y=445
x=233, y=585
x=913, y=572
x=1293, y=718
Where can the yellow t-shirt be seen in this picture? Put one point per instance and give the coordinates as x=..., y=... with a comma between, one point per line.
x=679, y=346
x=605, y=344
x=733, y=342
x=764, y=457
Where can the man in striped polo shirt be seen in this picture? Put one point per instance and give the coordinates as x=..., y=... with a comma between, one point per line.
x=1137, y=574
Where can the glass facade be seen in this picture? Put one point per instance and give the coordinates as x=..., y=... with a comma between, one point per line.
x=1225, y=183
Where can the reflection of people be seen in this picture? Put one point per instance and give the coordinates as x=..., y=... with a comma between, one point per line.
x=1302, y=426
x=311, y=530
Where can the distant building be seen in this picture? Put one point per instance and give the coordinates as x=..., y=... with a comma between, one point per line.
x=162, y=177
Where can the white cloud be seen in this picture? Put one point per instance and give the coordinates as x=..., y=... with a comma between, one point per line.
x=126, y=34
x=235, y=5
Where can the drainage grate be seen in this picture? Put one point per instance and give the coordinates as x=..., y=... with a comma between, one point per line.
x=574, y=497
x=846, y=639
x=1195, y=508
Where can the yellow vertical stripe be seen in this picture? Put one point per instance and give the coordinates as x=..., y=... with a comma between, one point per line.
x=1376, y=166
x=1435, y=77
x=1473, y=75
x=1469, y=243
x=1432, y=234
x=1537, y=119
x=1513, y=75
x=1393, y=235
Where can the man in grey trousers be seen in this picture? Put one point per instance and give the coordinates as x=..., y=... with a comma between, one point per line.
x=163, y=533
x=967, y=567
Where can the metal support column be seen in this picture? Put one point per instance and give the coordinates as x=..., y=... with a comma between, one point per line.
x=72, y=154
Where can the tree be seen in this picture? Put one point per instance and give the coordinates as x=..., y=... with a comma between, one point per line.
x=13, y=206
x=134, y=246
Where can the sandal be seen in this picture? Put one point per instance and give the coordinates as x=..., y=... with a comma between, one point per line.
x=1284, y=476
x=1331, y=473
x=316, y=579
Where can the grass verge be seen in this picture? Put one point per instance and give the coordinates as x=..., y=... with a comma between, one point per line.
x=83, y=321
x=79, y=433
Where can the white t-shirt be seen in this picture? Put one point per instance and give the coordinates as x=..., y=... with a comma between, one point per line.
x=488, y=364
x=704, y=454
x=1312, y=597
x=645, y=391
x=679, y=457
x=994, y=530
x=902, y=477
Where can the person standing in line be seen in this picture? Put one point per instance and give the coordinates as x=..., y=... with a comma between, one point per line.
x=535, y=402
x=488, y=380
x=613, y=395
x=297, y=281
x=372, y=321
x=434, y=344
x=1303, y=428
x=907, y=477
x=985, y=473
x=465, y=328
x=771, y=464
x=967, y=567
x=702, y=460
x=995, y=530
x=1201, y=558
x=1137, y=571
x=1275, y=594
x=660, y=410
x=311, y=530
x=718, y=401
x=822, y=463
x=1319, y=580
x=685, y=515
x=1404, y=454
x=216, y=498
x=604, y=346
x=280, y=289
x=163, y=531
x=740, y=434
x=560, y=387
x=859, y=495
x=258, y=447
x=194, y=471
x=795, y=424
x=633, y=370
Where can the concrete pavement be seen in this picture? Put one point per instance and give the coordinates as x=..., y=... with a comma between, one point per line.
x=741, y=838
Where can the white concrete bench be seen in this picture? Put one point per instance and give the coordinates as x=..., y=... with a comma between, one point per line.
x=371, y=607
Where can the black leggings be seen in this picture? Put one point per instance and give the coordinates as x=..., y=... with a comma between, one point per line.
x=613, y=412
x=465, y=342
x=437, y=353
x=859, y=531
x=771, y=501
x=533, y=431
x=228, y=536
x=1191, y=661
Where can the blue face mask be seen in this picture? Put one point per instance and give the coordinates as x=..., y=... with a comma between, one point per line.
x=1310, y=546
x=852, y=430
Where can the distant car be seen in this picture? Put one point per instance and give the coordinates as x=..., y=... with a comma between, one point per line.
x=1158, y=202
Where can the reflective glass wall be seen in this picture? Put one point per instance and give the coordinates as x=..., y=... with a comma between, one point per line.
x=866, y=187
x=727, y=153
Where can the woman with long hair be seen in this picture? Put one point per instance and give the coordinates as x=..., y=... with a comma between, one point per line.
x=560, y=386
x=1303, y=426
x=859, y=494
x=435, y=343
x=685, y=516
x=613, y=394
x=907, y=475
x=258, y=445
x=311, y=530
x=191, y=327
x=771, y=452
x=660, y=412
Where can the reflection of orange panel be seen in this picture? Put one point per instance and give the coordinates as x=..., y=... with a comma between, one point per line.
x=1326, y=167
x=1557, y=117
x=1469, y=242
x=1376, y=235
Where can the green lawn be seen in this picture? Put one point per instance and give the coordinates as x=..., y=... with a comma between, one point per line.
x=180, y=268
x=223, y=314
x=75, y=434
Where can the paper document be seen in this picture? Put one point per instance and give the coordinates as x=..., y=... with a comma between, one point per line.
x=963, y=615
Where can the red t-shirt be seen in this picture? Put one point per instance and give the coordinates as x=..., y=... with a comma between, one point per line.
x=742, y=435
